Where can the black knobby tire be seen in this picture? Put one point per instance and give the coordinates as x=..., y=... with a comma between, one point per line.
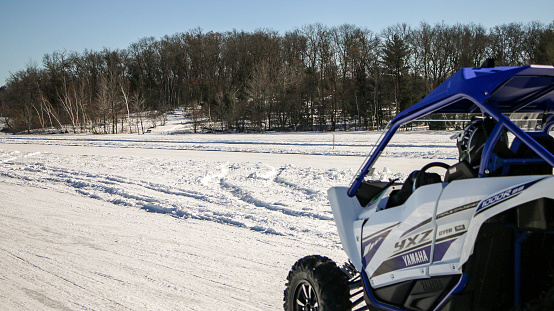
x=315, y=283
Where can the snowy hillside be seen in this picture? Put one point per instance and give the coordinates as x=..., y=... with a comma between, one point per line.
x=167, y=221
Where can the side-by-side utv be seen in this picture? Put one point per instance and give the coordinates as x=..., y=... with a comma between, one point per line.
x=477, y=236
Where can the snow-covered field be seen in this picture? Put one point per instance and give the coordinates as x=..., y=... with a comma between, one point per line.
x=168, y=221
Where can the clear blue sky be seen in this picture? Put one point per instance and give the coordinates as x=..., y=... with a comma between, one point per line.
x=29, y=29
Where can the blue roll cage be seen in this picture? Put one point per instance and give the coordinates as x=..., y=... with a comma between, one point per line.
x=493, y=92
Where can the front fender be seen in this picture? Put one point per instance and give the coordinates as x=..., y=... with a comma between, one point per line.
x=346, y=211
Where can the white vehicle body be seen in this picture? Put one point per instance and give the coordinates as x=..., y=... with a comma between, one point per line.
x=475, y=238
x=433, y=232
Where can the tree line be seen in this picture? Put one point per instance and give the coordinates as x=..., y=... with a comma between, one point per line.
x=311, y=78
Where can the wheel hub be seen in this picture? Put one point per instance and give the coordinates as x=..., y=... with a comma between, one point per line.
x=306, y=298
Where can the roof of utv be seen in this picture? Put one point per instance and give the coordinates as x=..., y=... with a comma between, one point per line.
x=506, y=89
x=493, y=91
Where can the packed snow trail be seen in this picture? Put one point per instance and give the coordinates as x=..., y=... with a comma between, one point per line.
x=353, y=144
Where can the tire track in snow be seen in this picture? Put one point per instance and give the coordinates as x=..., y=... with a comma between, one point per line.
x=271, y=179
x=237, y=199
x=122, y=191
x=246, y=197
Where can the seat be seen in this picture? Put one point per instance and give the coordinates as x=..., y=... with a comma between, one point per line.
x=399, y=197
x=522, y=151
x=460, y=170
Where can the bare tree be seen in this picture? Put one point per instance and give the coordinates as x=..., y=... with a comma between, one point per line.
x=507, y=44
x=395, y=61
x=314, y=77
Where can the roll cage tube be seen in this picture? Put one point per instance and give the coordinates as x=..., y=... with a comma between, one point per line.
x=503, y=121
x=394, y=125
x=548, y=124
x=486, y=156
x=486, y=163
x=471, y=88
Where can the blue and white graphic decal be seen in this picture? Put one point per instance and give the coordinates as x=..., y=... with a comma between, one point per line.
x=503, y=196
x=415, y=250
x=411, y=251
x=416, y=257
x=413, y=258
x=371, y=244
x=414, y=241
x=442, y=245
x=414, y=228
x=446, y=235
x=440, y=249
x=458, y=209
